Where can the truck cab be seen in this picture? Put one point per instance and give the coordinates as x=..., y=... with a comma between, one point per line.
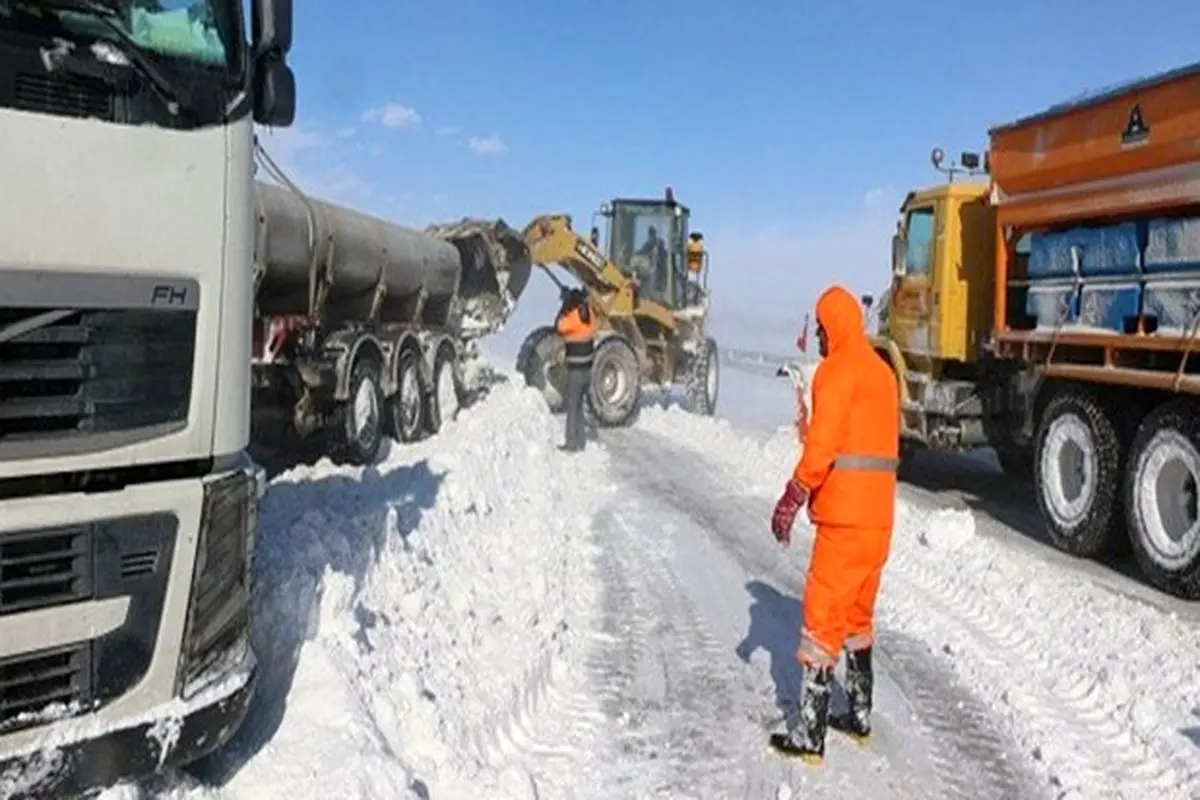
x=935, y=325
x=128, y=507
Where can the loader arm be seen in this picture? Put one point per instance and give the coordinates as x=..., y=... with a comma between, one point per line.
x=551, y=240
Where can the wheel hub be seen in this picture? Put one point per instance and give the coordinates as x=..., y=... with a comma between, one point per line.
x=447, y=396
x=410, y=400
x=1167, y=498
x=612, y=383
x=366, y=411
x=1069, y=469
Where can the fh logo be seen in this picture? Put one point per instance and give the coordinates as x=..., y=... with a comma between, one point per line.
x=166, y=294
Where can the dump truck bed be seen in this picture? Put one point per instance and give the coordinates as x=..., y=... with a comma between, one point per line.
x=1130, y=150
x=1105, y=191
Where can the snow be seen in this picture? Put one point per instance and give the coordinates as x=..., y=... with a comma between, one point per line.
x=481, y=615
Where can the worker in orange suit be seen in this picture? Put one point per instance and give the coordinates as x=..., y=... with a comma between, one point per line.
x=577, y=326
x=847, y=476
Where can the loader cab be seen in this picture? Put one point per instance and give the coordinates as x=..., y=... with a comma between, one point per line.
x=648, y=241
x=940, y=297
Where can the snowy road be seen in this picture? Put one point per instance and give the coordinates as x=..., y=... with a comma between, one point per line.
x=483, y=616
x=695, y=584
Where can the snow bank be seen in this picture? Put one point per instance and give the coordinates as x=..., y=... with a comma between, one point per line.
x=1099, y=689
x=408, y=613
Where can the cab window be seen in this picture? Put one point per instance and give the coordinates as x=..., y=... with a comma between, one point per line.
x=919, y=255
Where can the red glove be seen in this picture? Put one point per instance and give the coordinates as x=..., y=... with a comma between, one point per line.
x=789, y=505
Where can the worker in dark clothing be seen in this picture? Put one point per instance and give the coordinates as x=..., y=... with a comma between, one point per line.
x=577, y=326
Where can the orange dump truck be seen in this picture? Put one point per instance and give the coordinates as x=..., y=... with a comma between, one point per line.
x=1052, y=313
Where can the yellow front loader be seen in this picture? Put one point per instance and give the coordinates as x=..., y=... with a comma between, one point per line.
x=648, y=285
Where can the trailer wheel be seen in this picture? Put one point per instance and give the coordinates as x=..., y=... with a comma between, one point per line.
x=359, y=423
x=1162, y=484
x=447, y=393
x=542, y=363
x=704, y=380
x=1077, y=471
x=614, y=394
x=405, y=408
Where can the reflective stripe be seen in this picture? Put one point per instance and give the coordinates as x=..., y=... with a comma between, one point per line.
x=857, y=641
x=866, y=463
x=811, y=651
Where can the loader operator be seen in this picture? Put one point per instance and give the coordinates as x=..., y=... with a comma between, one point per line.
x=847, y=475
x=576, y=325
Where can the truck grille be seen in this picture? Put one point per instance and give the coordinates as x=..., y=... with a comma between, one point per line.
x=40, y=684
x=94, y=372
x=44, y=568
x=127, y=557
x=67, y=95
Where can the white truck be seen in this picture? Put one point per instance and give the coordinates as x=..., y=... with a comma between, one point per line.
x=128, y=507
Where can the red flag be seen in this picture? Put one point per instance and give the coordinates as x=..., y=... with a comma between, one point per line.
x=802, y=339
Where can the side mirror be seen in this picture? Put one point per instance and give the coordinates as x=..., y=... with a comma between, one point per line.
x=274, y=93
x=899, y=255
x=271, y=29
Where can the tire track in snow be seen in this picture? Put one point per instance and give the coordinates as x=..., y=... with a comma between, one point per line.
x=959, y=729
x=666, y=679
x=1067, y=710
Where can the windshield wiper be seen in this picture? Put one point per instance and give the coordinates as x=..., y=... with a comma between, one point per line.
x=174, y=97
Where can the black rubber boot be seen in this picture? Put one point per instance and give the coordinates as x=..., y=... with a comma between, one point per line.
x=806, y=741
x=860, y=685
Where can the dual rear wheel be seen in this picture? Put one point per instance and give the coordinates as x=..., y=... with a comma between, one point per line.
x=1103, y=486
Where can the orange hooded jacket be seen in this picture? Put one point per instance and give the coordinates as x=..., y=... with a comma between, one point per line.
x=852, y=445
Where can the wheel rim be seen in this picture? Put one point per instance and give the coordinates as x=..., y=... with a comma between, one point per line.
x=712, y=379
x=612, y=384
x=410, y=401
x=552, y=371
x=1068, y=467
x=1168, y=475
x=447, y=395
x=366, y=412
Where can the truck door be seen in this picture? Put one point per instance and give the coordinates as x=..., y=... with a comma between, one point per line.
x=914, y=321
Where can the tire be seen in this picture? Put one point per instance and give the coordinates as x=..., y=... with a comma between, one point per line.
x=446, y=393
x=542, y=363
x=406, y=407
x=1084, y=520
x=1162, y=483
x=614, y=394
x=704, y=381
x=358, y=428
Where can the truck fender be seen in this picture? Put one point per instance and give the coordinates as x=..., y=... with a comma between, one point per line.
x=343, y=348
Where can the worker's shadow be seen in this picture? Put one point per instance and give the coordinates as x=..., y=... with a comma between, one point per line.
x=775, y=621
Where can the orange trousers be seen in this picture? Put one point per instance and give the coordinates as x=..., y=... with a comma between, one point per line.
x=839, y=594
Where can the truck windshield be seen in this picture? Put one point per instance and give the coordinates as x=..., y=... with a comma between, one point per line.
x=197, y=31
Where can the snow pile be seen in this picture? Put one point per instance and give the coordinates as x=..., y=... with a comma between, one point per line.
x=408, y=613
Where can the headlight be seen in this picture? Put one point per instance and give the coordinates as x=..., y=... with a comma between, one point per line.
x=218, y=620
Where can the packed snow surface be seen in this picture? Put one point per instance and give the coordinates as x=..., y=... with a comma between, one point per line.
x=481, y=615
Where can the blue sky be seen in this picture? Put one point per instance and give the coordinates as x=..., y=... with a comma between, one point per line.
x=792, y=129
